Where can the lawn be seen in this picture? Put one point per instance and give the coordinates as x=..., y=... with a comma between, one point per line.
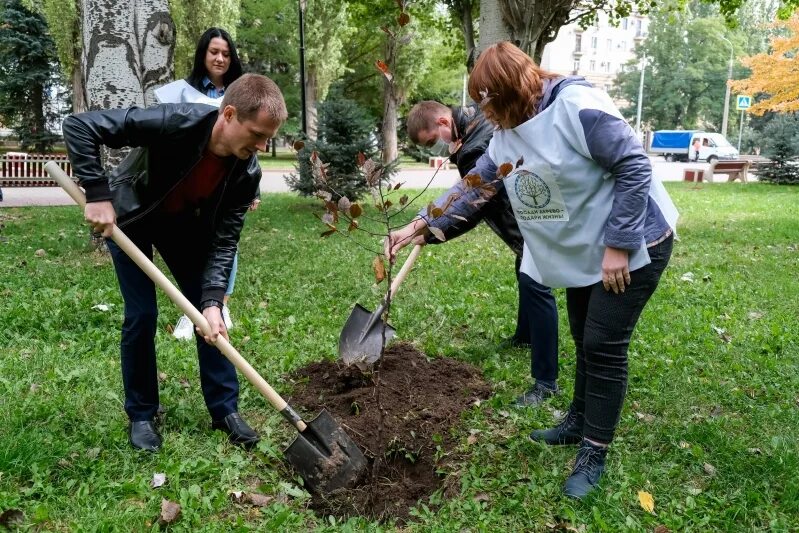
x=708, y=428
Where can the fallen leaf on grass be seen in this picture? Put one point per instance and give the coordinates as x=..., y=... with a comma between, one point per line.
x=170, y=512
x=688, y=276
x=472, y=439
x=755, y=315
x=482, y=497
x=34, y=387
x=684, y=444
x=661, y=529
x=645, y=417
x=40, y=253
x=158, y=480
x=722, y=333
x=565, y=526
x=709, y=469
x=249, y=498
x=92, y=453
x=647, y=501
x=10, y=518
x=716, y=411
x=756, y=451
x=162, y=376
x=101, y=307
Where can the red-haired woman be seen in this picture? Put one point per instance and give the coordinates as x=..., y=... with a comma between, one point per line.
x=593, y=221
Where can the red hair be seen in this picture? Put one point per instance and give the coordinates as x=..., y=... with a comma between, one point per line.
x=508, y=84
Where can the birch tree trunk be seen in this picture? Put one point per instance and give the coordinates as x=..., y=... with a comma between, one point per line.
x=529, y=24
x=390, y=104
x=128, y=51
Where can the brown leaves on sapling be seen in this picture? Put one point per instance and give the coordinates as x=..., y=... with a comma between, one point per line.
x=504, y=169
x=403, y=19
x=472, y=180
x=298, y=145
x=379, y=268
x=355, y=210
x=382, y=67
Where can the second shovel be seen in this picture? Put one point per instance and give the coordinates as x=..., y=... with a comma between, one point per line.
x=361, y=340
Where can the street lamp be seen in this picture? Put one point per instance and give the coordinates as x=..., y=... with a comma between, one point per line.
x=727, y=91
x=640, y=97
x=301, y=5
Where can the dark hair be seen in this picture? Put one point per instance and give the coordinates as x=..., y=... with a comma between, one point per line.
x=198, y=72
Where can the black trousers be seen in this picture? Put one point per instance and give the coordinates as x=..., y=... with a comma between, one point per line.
x=537, y=324
x=184, y=249
x=601, y=324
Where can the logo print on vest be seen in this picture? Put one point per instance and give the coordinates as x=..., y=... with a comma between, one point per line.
x=532, y=190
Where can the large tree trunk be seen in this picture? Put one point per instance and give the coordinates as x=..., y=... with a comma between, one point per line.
x=529, y=24
x=128, y=51
x=390, y=104
x=311, y=98
x=389, y=129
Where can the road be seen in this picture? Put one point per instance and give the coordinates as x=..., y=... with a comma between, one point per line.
x=273, y=182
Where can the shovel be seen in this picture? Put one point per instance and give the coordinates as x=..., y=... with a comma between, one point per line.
x=361, y=340
x=323, y=454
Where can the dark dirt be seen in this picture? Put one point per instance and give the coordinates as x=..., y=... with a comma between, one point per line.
x=422, y=401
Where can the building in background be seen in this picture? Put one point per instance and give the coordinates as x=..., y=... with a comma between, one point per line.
x=597, y=53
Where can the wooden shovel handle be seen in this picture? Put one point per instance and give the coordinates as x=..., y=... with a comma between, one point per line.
x=176, y=296
x=406, y=267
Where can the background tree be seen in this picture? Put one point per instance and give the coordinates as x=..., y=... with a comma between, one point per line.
x=775, y=74
x=268, y=43
x=328, y=29
x=532, y=24
x=463, y=13
x=192, y=18
x=345, y=131
x=63, y=22
x=28, y=74
x=686, y=71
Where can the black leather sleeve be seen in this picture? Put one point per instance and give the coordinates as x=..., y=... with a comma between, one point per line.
x=85, y=133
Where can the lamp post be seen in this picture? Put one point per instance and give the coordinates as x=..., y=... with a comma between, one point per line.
x=304, y=123
x=727, y=91
x=640, y=98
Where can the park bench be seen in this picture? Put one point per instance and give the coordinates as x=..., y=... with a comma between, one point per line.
x=436, y=162
x=19, y=169
x=735, y=169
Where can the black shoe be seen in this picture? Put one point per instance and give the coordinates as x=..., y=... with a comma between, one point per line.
x=238, y=431
x=587, y=470
x=569, y=431
x=511, y=343
x=535, y=396
x=143, y=436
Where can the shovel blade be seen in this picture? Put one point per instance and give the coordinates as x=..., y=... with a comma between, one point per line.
x=356, y=344
x=325, y=456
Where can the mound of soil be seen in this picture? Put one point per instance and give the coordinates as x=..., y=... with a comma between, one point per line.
x=422, y=400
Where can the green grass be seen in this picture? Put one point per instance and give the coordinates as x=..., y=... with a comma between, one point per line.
x=693, y=398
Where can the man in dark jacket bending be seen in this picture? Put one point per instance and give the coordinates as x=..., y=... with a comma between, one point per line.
x=436, y=126
x=184, y=190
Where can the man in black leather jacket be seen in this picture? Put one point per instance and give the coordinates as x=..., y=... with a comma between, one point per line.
x=436, y=126
x=183, y=190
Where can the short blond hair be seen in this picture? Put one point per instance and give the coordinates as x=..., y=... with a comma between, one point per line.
x=253, y=92
x=422, y=117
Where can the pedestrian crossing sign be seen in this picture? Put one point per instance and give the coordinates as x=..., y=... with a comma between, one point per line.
x=744, y=102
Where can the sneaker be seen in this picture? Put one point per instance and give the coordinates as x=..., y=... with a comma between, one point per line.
x=569, y=431
x=226, y=317
x=184, y=330
x=536, y=396
x=587, y=471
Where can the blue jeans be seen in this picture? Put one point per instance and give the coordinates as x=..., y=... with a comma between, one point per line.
x=537, y=324
x=602, y=323
x=184, y=250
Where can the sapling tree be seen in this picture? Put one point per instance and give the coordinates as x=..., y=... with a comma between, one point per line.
x=368, y=224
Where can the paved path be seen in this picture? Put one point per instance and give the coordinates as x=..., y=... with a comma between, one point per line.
x=273, y=182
